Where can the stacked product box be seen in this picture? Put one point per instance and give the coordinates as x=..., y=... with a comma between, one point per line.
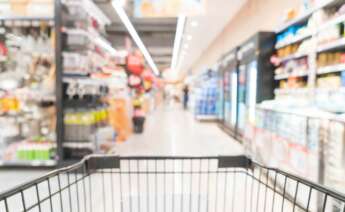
x=207, y=96
x=334, y=151
x=287, y=140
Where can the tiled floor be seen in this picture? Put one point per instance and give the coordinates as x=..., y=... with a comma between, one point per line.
x=169, y=131
x=172, y=131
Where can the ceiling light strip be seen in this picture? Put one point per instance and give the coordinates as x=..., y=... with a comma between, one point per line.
x=178, y=40
x=129, y=26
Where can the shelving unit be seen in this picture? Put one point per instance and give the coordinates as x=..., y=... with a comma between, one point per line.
x=288, y=75
x=306, y=15
x=296, y=39
x=331, y=69
x=304, y=115
x=293, y=56
x=59, y=98
x=35, y=163
x=32, y=125
x=82, y=111
x=332, y=45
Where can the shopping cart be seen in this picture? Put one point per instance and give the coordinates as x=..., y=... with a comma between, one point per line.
x=169, y=184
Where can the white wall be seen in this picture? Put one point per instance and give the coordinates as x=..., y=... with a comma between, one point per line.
x=256, y=15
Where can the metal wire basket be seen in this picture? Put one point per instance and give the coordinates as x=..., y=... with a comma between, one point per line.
x=169, y=184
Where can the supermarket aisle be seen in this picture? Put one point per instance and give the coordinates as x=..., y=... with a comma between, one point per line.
x=172, y=131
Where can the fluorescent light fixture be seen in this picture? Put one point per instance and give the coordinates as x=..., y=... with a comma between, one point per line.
x=105, y=45
x=189, y=37
x=178, y=39
x=186, y=46
x=130, y=28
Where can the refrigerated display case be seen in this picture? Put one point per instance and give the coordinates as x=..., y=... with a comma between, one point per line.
x=220, y=100
x=255, y=79
x=229, y=70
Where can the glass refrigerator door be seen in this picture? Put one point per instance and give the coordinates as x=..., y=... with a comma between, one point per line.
x=234, y=98
x=242, y=92
x=220, y=103
x=252, y=74
x=227, y=100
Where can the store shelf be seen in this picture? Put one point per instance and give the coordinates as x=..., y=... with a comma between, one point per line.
x=288, y=75
x=293, y=56
x=95, y=37
x=305, y=15
x=91, y=8
x=332, y=22
x=331, y=69
x=340, y=43
x=330, y=90
x=34, y=96
x=296, y=39
x=291, y=91
x=34, y=163
x=26, y=18
x=25, y=21
x=79, y=145
x=74, y=74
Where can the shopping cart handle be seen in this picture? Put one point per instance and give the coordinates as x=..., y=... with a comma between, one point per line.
x=94, y=162
x=240, y=161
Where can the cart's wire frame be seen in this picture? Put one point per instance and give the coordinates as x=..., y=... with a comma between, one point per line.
x=224, y=183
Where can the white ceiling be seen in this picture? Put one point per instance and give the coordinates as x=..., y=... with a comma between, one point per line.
x=217, y=14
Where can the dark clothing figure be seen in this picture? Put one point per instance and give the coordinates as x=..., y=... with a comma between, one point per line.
x=185, y=97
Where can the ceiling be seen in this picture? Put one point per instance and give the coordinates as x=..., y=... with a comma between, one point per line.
x=217, y=14
x=158, y=34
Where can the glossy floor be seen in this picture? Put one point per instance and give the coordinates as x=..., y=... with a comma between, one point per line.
x=169, y=131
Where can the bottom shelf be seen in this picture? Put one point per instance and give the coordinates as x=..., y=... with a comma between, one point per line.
x=34, y=163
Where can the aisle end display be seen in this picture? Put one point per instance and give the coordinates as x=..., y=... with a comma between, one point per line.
x=206, y=92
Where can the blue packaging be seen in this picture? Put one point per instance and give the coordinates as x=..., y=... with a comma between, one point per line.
x=342, y=76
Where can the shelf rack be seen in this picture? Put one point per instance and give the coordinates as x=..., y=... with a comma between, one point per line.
x=305, y=15
x=72, y=148
x=314, y=71
x=55, y=21
x=29, y=21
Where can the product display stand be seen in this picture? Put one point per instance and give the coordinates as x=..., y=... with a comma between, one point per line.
x=91, y=31
x=59, y=81
x=306, y=63
x=84, y=52
x=206, y=93
x=35, y=144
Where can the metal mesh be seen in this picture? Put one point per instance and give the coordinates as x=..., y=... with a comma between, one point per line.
x=169, y=184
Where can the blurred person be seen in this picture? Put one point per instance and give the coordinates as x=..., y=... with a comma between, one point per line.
x=138, y=118
x=185, y=97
